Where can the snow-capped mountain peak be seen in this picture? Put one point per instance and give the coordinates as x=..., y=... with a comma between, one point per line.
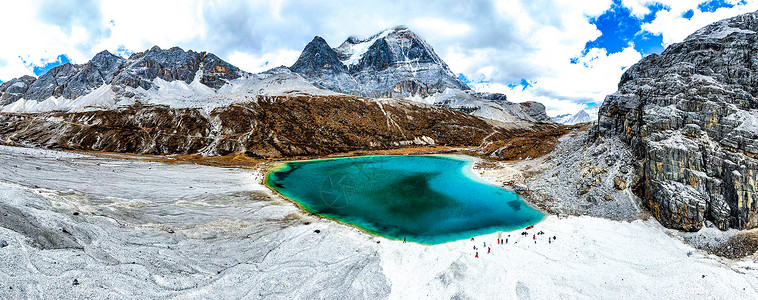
x=393, y=63
x=583, y=116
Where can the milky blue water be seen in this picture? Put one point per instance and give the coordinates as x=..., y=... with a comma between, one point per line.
x=424, y=199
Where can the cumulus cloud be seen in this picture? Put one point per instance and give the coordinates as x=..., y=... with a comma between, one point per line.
x=675, y=28
x=528, y=49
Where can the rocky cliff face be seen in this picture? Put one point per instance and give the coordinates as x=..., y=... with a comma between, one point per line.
x=267, y=127
x=394, y=63
x=175, y=64
x=690, y=114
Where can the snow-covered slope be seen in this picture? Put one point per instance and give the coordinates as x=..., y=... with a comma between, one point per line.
x=101, y=98
x=561, y=118
x=155, y=231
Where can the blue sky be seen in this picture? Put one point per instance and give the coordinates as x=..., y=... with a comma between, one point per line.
x=566, y=54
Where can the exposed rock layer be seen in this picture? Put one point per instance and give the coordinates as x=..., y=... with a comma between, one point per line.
x=267, y=127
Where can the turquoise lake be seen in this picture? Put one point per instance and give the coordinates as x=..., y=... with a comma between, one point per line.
x=424, y=199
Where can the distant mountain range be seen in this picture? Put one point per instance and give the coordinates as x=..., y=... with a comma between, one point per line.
x=383, y=92
x=395, y=63
x=583, y=116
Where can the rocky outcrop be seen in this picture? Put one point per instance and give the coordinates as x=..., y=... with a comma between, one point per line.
x=267, y=127
x=14, y=89
x=395, y=63
x=691, y=115
x=535, y=110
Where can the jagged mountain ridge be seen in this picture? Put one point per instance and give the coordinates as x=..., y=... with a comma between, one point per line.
x=176, y=64
x=395, y=63
x=71, y=81
x=690, y=116
x=193, y=79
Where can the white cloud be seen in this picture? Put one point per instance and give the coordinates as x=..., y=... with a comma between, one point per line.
x=443, y=29
x=674, y=28
x=495, y=42
x=259, y=63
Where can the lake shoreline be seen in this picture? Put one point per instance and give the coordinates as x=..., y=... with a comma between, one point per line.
x=466, y=171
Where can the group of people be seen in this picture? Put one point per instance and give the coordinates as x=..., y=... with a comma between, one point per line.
x=501, y=241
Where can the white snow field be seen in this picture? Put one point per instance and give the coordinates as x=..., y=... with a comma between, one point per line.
x=83, y=226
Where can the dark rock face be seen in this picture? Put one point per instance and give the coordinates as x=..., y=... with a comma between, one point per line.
x=52, y=83
x=394, y=63
x=14, y=89
x=690, y=115
x=320, y=63
x=216, y=72
x=534, y=109
x=98, y=71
